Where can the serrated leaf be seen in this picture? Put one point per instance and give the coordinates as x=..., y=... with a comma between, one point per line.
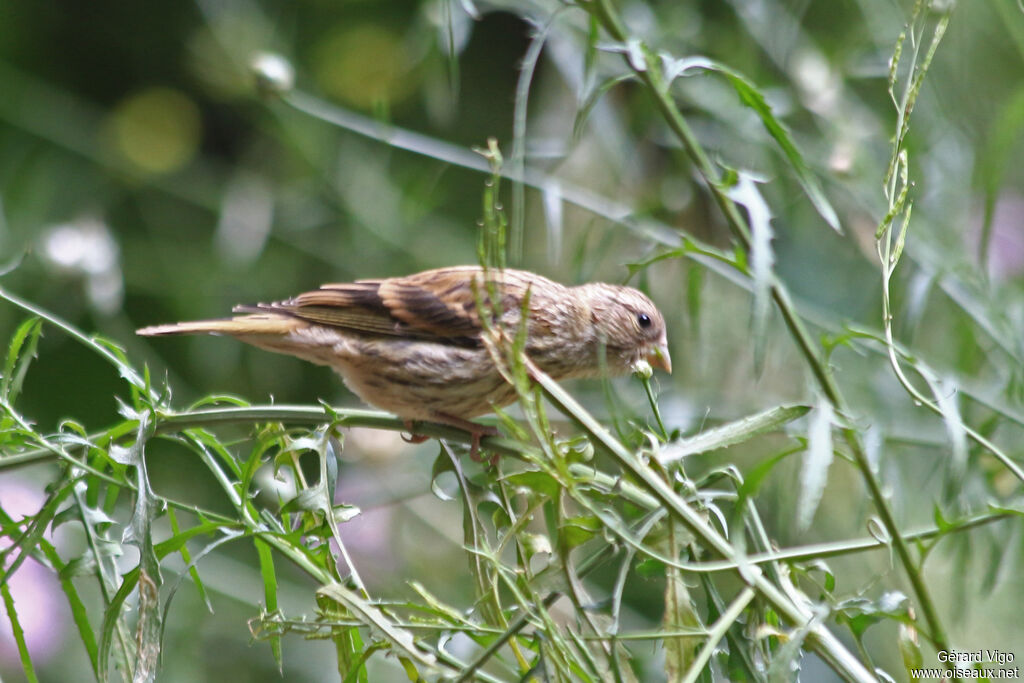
x=269, y=576
x=762, y=258
x=680, y=651
x=538, y=483
x=680, y=612
x=149, y=623
x=576, y=531
x=343, y=512
x=862, y=613
x=330, y=465
x=732, y=433
x=442, y=465
x=534, y=544
x=945, y=394
x=82, y=565
x=676, y=67
x=311, y=499
x=817, y=460
x=637, y=54
x=440, y=609
x=788, y=657
x=20, y=353
x=95, y=517
x=401, y=638
x=17, y=632
x=121, y=455
x=752, y=98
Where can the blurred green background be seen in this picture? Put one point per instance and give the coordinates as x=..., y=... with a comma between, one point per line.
x=143, y=179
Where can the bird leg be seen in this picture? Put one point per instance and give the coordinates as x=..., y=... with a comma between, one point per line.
x=476, y=431
x=474, y=446
x=413, y=436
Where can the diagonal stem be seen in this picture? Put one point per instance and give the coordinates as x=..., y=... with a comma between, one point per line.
x=651, y=76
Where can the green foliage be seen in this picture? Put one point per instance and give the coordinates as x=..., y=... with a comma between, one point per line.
x=670, y=535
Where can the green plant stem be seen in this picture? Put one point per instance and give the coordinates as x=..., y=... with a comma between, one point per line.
x=126, y=371
x=168, y=422
x=651, y=76
x=514, y=627
x=313, y=415
x=717, y=631
x=19, y=634
x=653, y=400
x=820, y=551
x=822, y=640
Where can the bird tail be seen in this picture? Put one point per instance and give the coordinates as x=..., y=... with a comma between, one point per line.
x=239, y=326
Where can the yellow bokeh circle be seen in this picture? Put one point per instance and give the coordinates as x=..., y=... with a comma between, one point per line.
x=157, y=129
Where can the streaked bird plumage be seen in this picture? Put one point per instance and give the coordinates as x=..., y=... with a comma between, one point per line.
x=413, y=345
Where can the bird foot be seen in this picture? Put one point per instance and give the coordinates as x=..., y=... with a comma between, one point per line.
x=474, y=445
x=413, y=436
x=477, y=432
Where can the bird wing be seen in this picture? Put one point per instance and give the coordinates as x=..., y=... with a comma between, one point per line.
x=436, y=304
x=355, y=306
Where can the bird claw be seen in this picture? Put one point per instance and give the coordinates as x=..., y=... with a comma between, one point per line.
x=413, y=437
x=476, y=431
x=474, y=446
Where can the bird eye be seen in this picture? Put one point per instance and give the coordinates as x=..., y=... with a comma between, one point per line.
x=643, y=320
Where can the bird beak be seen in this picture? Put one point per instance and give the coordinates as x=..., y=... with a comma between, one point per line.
x=658, y=357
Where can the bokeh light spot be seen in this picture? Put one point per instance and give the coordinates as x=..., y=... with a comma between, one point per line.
x=362, y=65
x=156, y=130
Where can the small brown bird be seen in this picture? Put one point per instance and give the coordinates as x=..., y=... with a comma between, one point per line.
x=413, y=345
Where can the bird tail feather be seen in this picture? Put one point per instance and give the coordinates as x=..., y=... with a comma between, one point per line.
x=243, y=325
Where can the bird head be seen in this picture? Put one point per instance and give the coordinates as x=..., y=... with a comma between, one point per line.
x=629, y=325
